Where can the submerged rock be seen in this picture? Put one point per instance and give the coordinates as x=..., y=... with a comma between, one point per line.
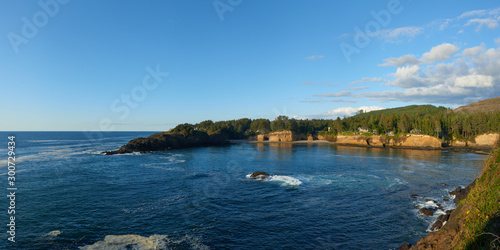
x=426, y=211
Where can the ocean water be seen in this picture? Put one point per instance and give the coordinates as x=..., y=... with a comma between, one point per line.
x=319, y=196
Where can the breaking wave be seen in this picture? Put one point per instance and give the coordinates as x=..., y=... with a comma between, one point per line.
x=283, y=179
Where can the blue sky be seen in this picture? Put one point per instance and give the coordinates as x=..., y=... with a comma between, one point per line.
x=130, y=65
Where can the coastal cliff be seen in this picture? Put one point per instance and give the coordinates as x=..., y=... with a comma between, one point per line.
x=166, y=141
x=475, y=223
x=483, y=141
x=281, y=136
x=403, y=141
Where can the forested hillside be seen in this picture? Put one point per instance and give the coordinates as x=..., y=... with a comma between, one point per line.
x=440, y=122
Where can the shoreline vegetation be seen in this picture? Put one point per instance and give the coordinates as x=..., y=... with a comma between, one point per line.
x=475, y=126
x=474, y=224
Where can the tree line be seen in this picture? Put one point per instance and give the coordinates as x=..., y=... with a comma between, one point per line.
x=440, y=122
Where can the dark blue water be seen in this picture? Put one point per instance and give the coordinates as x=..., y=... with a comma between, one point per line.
x=322, y=196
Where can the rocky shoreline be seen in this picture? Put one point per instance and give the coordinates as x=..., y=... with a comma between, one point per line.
x=165, y=141
x=480, y=143
x=449, y=217
x=484, y=150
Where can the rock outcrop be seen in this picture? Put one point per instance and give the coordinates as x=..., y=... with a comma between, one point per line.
x=166, y=141
x=416, y=141
x=488, y=140
x=484, y=140
x=409, y=141
x=281, y=136
x=461, y=193
x=359, y=140
x=426, y=211
x=260, y=175
x=475, y=223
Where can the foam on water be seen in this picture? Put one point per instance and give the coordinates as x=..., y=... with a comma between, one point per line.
x=172, y=159
x=285, y=180
x=52, y=234
x=133, y=153
x=156, y=241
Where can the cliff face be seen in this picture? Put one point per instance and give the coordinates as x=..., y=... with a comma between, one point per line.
x=485, y=140
x=410, y=141
x=281, y=136
x=419, y=141
x=166, y=141
x=488, y=140
x=352, y=140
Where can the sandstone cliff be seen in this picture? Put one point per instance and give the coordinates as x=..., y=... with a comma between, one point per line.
x=418, y=141
x=488, y=140
x=410, y=141
x=281, y=136
x=484, y=140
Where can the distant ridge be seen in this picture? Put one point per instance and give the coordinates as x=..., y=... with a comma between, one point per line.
x=488, y=105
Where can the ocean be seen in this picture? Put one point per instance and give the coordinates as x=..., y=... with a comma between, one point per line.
x=319, y=196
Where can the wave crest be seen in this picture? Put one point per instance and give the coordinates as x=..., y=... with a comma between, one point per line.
x=283, y=179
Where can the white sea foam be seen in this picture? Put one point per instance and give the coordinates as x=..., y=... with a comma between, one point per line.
x=52, y=234
x=283, y=179
x=133, y=153
x=172, y=159
x=286, y=180
x=156, y=241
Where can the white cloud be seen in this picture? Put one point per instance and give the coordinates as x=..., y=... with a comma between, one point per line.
x=338, y=94
x=367, y=79
x=395, y=35
x=343, y=100
x=306, y=83
x=441, y=52
x=408, y=76
x=497, y=41
x=470, y=76
x=401, y=61
x=347, y=111
x=314, y=57
x=437, y=53
x=488, y=22
x=359, y=88
x=478, y=81
x=474, y=50
x=472, y=13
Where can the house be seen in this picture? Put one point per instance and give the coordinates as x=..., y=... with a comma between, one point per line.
x=363, y=130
